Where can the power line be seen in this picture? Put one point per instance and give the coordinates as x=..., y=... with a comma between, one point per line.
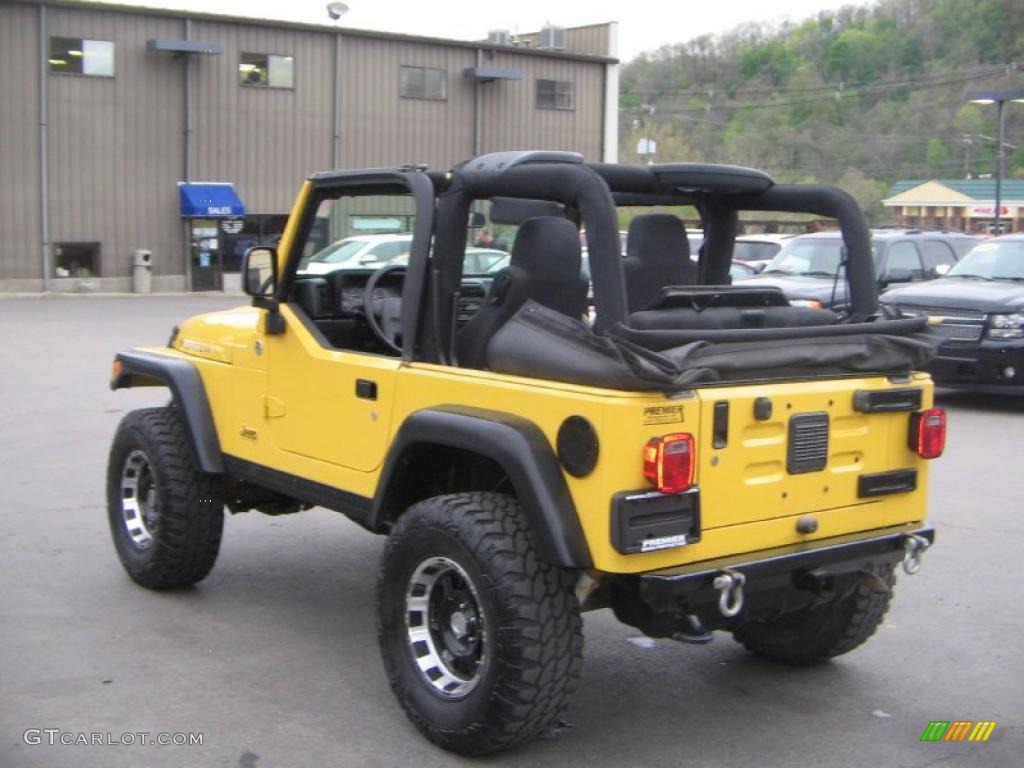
x=875, y=90
x=819, y=99
x=826, y=87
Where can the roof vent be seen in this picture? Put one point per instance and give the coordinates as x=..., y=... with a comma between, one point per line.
x=552, y=39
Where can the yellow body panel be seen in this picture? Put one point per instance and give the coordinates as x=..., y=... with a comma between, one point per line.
x=287, y=402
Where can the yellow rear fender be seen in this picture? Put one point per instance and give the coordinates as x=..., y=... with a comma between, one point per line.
x=480, y=450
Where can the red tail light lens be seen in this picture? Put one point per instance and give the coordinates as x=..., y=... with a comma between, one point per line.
x=928, y=433
x=669, y=462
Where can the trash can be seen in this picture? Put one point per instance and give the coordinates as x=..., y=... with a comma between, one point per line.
x=142, y=271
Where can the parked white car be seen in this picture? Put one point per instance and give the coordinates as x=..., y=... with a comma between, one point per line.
x=758, y=250
x=358, y=252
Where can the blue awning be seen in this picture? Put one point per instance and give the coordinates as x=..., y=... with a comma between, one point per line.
x=209, y=200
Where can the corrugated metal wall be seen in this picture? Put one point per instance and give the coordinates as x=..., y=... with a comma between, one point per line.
x=379, y=127
x=265, y=140
x=592, y=40
x=20, y=250
x=115, y=144
x=511, y=119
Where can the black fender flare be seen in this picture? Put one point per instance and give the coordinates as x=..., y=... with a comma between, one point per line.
x=522, y=451
x=136, y=368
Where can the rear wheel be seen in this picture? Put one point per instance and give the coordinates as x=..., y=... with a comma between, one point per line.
x=808, y=637
x=482, y=642
x=165, y=513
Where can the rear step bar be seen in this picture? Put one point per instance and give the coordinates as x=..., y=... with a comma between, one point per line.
x=798, y=565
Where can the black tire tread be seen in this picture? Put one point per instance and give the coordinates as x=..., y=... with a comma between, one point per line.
x=811, y=637
x=190, y=501
x=541, y=628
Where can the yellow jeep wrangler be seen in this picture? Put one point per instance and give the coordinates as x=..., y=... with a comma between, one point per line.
x=573, y=425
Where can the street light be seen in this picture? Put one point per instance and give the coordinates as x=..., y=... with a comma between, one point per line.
x=1000, y=98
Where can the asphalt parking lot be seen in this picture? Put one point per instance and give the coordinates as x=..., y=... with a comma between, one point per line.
x=273, y=658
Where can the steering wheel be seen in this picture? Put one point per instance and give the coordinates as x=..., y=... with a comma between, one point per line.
x=384, y=316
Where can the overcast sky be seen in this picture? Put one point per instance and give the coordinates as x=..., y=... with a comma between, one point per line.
x=643, y=24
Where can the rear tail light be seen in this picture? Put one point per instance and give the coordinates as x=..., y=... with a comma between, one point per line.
x=928, y=433
x=669, y=462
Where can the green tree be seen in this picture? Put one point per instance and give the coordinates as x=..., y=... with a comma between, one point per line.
x=936, y=157
x=868, y=193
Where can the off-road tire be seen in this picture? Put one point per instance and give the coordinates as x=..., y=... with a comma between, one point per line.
x=809, y=637
x=531, y=652
x=184, y=508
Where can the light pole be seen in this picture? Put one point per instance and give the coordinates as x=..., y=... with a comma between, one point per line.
x=1000, y=98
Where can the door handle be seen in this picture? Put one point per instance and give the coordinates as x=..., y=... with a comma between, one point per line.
x=366, y=389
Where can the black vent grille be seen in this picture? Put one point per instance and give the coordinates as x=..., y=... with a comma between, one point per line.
x=324, y=302
x=808, y=443
x=471, y=298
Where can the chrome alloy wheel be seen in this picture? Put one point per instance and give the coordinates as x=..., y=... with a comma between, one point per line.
x=445, y=627
x=138, y=499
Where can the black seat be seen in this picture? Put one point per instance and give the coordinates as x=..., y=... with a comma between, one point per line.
x=657, y=254
x=544, y=266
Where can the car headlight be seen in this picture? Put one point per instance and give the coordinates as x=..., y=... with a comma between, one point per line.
x=1006, y=326
x=811, y=303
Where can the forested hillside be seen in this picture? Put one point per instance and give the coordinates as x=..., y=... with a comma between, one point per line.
x=859, y=97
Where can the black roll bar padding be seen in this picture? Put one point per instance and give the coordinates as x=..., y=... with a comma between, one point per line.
x=636, y=179
x=449, y=251
x=580, y=186
x=837, y=204
x=720, y=229
x=416, y=277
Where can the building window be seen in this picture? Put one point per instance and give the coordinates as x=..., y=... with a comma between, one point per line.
x=267, y=70
x=555, y=94
x=75, y=56
x=76, y=259
x=424, y=83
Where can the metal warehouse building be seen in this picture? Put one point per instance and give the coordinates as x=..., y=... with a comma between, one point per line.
x=128, y=130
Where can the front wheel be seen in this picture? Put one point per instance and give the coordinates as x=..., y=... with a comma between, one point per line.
x=482, y=642
x=811, y=636
x=165, y=513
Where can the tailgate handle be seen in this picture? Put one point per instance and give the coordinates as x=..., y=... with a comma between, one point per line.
x=720, y=425
x=887, y=400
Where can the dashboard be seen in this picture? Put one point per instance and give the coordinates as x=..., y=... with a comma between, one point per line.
x=340, y=294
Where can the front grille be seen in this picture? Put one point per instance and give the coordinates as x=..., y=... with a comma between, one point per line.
x=966, y=314
x=808, y=443
x=958, y=332
x=945, y=323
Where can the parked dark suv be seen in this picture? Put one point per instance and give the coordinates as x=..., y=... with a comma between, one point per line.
x=809, y=268
x=978, y=309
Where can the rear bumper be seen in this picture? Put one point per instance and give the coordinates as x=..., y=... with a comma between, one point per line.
x=980, y=367
x=801, y=566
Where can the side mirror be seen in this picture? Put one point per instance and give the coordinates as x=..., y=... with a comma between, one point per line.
x=897, y=275
x=259, y=271
x=941, y=269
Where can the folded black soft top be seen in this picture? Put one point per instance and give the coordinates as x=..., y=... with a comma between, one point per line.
x=542, y=343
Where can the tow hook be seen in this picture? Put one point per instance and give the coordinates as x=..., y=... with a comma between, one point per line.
x=729, y=584
x=914, y=546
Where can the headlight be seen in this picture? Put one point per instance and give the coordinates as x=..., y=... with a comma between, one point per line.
x=811, y=303
x=1006, y=326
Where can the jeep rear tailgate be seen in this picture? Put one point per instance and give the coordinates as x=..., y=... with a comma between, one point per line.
x=770, y=451
x=774, y=464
